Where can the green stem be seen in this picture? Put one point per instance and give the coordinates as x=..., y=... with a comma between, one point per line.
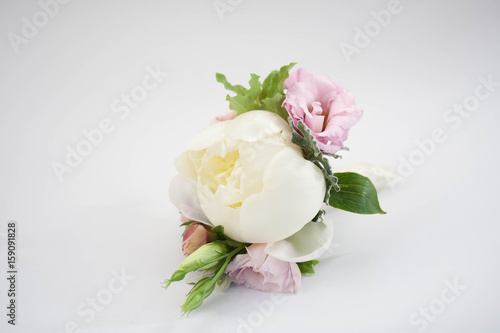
x=226, y=262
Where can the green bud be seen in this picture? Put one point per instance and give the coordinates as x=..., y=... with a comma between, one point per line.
x=177, y=276
x=204, y=257
x=200, y=291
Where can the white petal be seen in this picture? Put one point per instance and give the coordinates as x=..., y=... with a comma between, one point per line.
x=184, y=164
x=254, y=158
x=258, y=125
x=292, y=194
x=218, y=213
x=183, y=194
x=309, y=243
x=209, y=136
x=250, y=127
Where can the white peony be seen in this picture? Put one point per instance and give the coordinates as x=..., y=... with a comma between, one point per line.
x=246, y=175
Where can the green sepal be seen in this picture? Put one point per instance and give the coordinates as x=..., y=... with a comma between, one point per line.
x=185, y=224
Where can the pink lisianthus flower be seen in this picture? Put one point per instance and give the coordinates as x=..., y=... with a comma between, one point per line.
x=258, y=270
x=323, y=105
x=194, y=236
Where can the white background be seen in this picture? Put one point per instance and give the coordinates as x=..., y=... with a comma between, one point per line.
x=112, y=211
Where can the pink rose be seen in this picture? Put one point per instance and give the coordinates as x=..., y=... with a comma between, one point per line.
x=258, y=270
x=323, y=105
x=194, y=236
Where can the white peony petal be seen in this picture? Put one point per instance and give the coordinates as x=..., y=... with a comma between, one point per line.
x=292, y=194
x=254, y=160
x=183, y=194
x=185, y=166
x=258, y=125
x=250, y=127
x=309, y=243
x=216, y=212
x=209, y=136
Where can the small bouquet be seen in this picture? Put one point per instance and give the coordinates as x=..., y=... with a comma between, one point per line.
x=252, y=187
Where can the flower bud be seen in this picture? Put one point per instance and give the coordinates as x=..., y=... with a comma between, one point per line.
x=195, y=235
x=204, y=257
x=200, y=291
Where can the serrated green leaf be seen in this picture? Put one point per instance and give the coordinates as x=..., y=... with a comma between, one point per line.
x=357, y=194
x=303, y=138
x=255, y=87
x=274, y=105
x=307, y=267
x=273, y=84
x=247, y=100
x=236, y=89
x=242, y=103
x=269, y=96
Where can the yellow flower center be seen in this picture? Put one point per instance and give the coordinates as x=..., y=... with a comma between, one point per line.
x=218, y=170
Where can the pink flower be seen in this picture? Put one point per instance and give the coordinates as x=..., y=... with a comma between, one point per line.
x=230, y=114
x=323, y=105
x=194, y=236
x=256, y=269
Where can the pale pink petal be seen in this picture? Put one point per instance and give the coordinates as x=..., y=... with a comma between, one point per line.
x=258, y=270
x=323, y=105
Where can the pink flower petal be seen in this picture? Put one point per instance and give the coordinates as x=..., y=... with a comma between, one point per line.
x=324, y=106
x=258, y=270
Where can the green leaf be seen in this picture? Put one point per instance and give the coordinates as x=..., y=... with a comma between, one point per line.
x=268, y=96
x=303, y=138
x=255, y=87
x=307, y=267
x=273, y=84
x=222, y=79
x=357, y=194
x=248, y=99
x=273, y=104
